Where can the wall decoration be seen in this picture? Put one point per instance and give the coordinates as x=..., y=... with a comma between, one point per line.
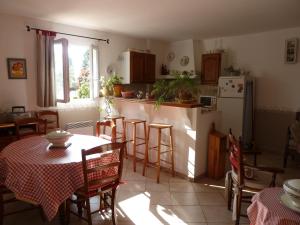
x=184, y=61
x=291, y=48
x=16, y=68
x=171, y=56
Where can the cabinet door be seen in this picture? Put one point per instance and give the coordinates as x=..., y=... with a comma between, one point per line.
x=149, y=73
x=136, y=67
x=211, y=66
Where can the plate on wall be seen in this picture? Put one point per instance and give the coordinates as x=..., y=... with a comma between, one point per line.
x=184, y=61
x=286, y=201
x=171, y=56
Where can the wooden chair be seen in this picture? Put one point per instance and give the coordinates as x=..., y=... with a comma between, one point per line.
x=52, y=119
x=102, y=170
x=238, y=181
x=101, y=130
x=29, y=127
x=290, y=145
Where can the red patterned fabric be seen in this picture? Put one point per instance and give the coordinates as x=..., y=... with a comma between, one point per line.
x=42, y=175
x=266, y=209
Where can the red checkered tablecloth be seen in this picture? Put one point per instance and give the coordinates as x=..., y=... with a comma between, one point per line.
x=266, y=209
x=45, y=176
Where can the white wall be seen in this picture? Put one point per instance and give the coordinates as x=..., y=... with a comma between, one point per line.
x=16, y=42
x=277, y=83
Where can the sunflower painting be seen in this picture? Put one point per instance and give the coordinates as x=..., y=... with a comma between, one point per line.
x=16, y=68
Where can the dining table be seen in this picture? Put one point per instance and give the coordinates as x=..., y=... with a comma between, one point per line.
x=42, y=174
x=268, y=209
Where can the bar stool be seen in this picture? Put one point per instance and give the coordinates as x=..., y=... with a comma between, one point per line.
x=160, y=127
x=114, y=120
x=134, y=123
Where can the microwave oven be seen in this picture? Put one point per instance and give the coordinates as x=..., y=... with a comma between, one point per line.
x=208, y=101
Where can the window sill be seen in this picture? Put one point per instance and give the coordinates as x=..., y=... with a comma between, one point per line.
x=79, y=104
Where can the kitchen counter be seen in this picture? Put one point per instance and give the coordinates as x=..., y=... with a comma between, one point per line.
x=174, y=104
x=191, y=126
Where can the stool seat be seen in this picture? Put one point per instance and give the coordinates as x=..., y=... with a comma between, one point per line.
x=134, y=121
x=160, y=125
x=115, y=117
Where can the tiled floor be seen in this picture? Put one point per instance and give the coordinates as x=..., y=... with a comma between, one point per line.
x=174, y=201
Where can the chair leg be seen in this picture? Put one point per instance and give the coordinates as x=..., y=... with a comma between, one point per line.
x=172, y=152
x=1, y=209
x=79, y=205
x=134, y=147
x=124, y=138
x=113, y=194
x=158, y=155
x=238, y=207
x=88, y=211
x=67, y=219
x=146, y=160
x=229, y=200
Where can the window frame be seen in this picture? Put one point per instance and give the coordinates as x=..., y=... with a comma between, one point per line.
x=66, y=82
x=65, y=63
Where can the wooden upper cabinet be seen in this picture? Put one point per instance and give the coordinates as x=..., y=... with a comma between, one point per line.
x=149, y=76
x=142, y=67
x=136, y=67
x=211, y=68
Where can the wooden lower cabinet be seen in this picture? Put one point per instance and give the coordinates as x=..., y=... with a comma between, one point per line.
x=216, y=155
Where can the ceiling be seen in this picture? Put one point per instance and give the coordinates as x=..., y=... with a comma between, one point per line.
x=164, y=19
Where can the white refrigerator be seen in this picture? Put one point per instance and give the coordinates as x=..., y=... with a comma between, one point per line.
x=235, y=102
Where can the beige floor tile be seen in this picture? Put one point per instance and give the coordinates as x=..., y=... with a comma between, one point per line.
x=133, y=186
x=181, y=187
x=217, y=214
x=179, y=198
x=159, y=198
x=199, y=187
x=189, y=213
x=177, y=179
x=161, y=187
x=207, y=198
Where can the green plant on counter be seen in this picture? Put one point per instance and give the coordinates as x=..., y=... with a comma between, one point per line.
x=114, y=79
x=182, y=89
x=160, y=92
x=108, y=84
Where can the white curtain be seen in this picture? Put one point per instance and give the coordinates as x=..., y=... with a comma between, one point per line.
x=46, y=96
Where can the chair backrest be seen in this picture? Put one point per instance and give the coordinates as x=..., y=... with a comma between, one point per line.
x=102, y=166
x=81, y=127
x=51, y=117
x=30, y=126
x=18, y=109
x=236, y=159
x=101, y=130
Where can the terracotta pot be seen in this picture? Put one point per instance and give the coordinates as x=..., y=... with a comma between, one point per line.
x=117, y=88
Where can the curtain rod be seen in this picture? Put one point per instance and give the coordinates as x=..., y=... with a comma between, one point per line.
x=74, y=35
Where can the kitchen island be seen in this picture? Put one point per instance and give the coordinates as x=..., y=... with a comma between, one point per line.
x=191, y=125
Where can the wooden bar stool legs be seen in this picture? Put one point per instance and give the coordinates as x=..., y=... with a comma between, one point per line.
x=170, y=150
x=134, y=123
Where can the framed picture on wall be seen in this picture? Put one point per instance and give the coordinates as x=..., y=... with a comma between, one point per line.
x=16, y=68
x=291, y=48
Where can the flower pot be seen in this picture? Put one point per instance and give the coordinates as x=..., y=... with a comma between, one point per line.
x=117, y=89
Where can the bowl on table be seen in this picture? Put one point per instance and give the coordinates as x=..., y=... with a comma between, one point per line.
x=58, y=138
x=292, y=190
x=127, y=94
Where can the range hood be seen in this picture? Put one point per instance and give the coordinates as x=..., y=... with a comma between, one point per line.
x=183, y=56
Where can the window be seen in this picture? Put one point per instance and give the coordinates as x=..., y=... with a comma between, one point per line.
x=76, y=71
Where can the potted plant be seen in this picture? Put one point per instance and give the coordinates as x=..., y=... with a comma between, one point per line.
x=114, y=83
x=183, y=87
